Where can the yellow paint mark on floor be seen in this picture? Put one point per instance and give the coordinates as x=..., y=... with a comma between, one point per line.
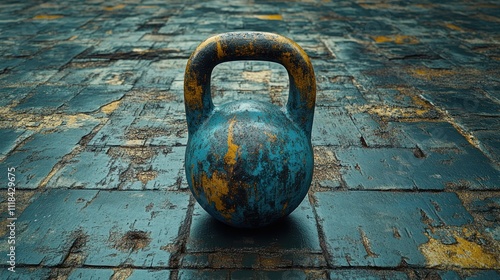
x=148, y=7
x=269, y=261
x=38, y=122
x=429, y=74
x=114, y=8
x=121, y=273
x=116, y=80
x=134, y=142
x=398, y=39
x=137, y=155
x=263, y=76
x=225, y=260
x=388, y=111
x=146, y=176
x=269, y=17
x=466, y=134
x=140, y=51
x=425, y=6
x=74, y=121
x=453, y=27
x=371, y=6
x=111, y=107
x=51, y=174
x=488, y=17
x=47, y=17
x=463, y=254
x=485, y=6
x=22, y=201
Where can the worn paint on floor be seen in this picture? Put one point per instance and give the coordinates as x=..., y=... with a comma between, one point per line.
x=406, y=176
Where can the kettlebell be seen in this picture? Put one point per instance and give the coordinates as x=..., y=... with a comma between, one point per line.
x=249, y=163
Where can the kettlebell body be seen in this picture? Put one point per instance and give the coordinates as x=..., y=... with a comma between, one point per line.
x=249, y=163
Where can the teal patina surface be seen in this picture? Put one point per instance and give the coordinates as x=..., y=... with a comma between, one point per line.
x=406, y=173
x=249, y=163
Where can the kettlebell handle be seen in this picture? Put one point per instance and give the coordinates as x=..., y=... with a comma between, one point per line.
x=249, y=46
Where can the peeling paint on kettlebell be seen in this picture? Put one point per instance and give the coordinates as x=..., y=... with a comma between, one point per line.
x=249, y=163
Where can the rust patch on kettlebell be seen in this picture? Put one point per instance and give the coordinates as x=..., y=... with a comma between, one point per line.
x=246, y=167
x=232, y=148
x=306, y=86
x=216, y=189
x=193, y=98
x=220, y=51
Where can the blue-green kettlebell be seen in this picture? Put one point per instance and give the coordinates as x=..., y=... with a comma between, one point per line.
x=249, y=163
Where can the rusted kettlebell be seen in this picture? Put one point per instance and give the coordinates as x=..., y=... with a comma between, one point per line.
x=249, y=163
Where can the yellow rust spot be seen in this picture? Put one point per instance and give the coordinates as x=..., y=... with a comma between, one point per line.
x=232, y=148
x=269, y=17
x=220, y=51
x=285, y=206
x=114, y=8
x=304, y=81
x=453, y=27
x=398, y=39
x=111, y=107
x=192, y=91
x=463, y=254
x=270, y=136
x=215, y=188
x=47, y=17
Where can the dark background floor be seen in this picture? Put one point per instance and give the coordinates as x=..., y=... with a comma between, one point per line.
x=406, y=140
